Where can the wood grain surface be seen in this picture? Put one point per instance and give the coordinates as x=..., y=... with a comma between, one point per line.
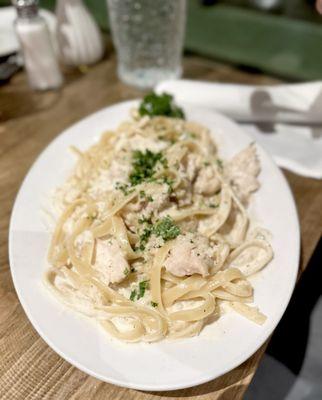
x=29, y=369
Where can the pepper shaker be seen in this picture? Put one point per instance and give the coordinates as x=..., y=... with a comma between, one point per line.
x=79, y=38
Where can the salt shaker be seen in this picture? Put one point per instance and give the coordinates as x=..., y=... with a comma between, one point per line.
x=39, y=56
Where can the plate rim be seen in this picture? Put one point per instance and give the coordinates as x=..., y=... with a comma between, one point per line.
x=243, y=356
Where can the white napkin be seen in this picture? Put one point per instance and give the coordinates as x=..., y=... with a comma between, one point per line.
x=285, y=119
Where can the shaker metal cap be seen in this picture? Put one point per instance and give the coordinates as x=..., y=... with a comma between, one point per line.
x=24, y=3
x=26, y=8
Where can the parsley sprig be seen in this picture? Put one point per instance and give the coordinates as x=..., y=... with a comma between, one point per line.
x=163, y=104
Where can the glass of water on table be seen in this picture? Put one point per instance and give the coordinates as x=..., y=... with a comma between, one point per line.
x=148, y=36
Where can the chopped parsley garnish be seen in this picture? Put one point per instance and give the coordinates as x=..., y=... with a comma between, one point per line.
x=168, y=182
x=206, y=163
x=166, y=229
x=163, y=104
x=124, y=187
x=154, y=304
x=143, y=285
x=133, y=295
x=143, y=195
x=213, y=205
x=146, y=233
x=220, y=163
x=126, y=271
x=143, y=170
x=164, y=162
x=144, y=164
x=92, y=217
x=144, y=220
x=144, y=237
x=165, y=139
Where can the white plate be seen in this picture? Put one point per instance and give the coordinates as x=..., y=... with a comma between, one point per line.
x=166, y=365
x=8, y=40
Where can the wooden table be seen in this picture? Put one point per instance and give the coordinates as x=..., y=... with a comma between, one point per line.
x=29, y=369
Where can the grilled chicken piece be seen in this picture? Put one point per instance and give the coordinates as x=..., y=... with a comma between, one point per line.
x=242, y=171
x=191, y=254
x=110, y=261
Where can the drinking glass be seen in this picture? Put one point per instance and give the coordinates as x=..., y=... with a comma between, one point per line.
x=148, y=36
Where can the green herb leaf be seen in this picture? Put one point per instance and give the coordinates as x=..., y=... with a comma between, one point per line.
x=133, y=295
x=144, y=195
x=144, y=237
x=166, y=229
x=169, y=182
x=143, y=285
x=144, y=220
x=124, y=187
x=162, y=104
x=126, y=271
x=220, y=163
x=144, y=164
x=154, y=304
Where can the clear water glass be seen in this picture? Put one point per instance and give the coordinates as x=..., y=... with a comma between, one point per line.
x=148, y=36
